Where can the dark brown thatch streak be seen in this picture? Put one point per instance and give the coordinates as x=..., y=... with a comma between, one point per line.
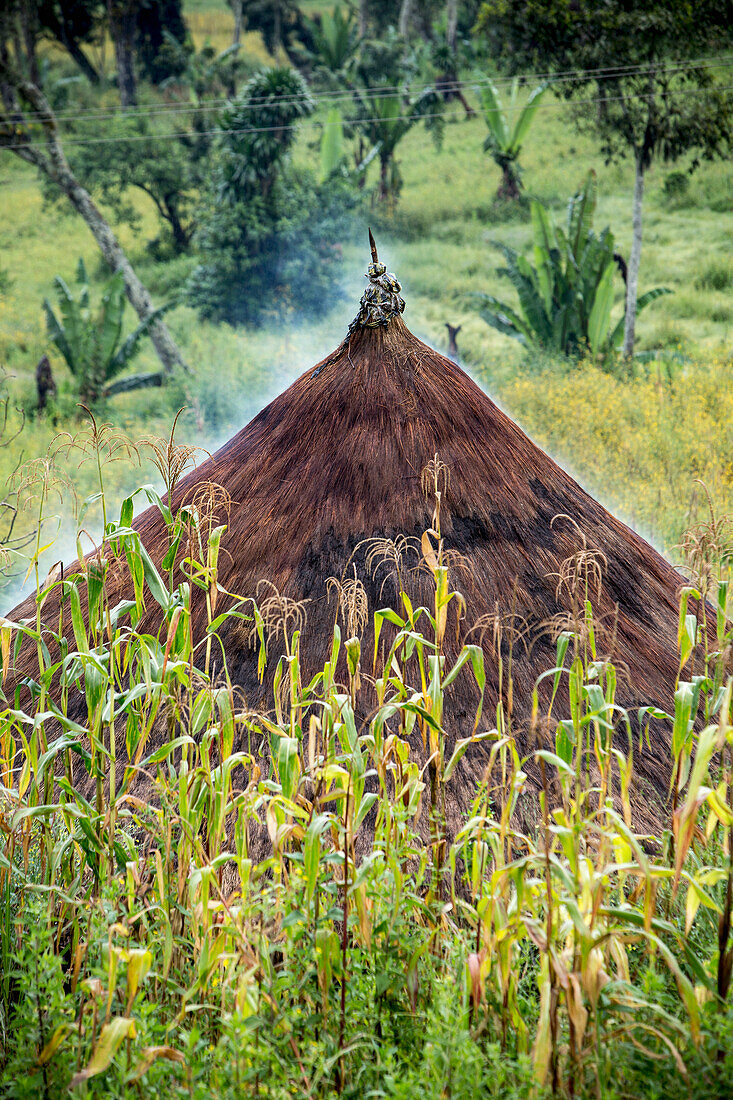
x=337, y=459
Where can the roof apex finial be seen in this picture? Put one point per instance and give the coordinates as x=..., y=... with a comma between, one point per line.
x=382, y=299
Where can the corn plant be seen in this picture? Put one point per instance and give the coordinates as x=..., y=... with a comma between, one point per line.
x=269, y=901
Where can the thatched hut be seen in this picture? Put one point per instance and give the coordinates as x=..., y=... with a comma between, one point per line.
x=337, y=461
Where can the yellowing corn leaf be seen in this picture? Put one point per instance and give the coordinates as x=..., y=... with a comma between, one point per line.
x=150, y=1055
x=542, y=1049
x=53, y=1044
x=139, y=961
x=576, y=1009
x=109, y=1042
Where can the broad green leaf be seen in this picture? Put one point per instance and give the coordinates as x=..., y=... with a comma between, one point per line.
x=600, y=315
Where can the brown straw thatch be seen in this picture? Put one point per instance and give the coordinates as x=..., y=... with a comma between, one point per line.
x=330, y=471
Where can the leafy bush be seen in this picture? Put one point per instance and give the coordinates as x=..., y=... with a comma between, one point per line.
x=270, y=238
x=91, y=340
x=566, y=299
x=718, y=275
x=504, y=141
x=676, y=186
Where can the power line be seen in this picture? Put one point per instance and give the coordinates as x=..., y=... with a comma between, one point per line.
x=381, y=91
x=414, y=117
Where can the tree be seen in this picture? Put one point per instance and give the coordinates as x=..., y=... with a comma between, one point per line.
x=144, y=154
x=34, y=138
x=270, y=236
x=335, y=39
x=237, y=12
x=639, y=65
x=383, y=118
x=160, y=28
x=122, y=21
x=565, y=300
x=157, y=155
x=505, y=140
x=278, y=21
x=90, y=339
x=72, y=24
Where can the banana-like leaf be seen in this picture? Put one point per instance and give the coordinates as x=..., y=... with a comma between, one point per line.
x=502, y=317
x=71, y=321
x=83, y=280
x=332, y=143
x=110, y=329
x=580, y=213
x=58, y=336
x=642, y=302
x=125, y=354
x=600, y=315
x=133, y=382
x=528, y=288
x=546, y=254
x=494, y=116
x=526, y=115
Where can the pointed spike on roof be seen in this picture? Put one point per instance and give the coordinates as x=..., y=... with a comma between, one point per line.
x=373, y=246
x=381, y=301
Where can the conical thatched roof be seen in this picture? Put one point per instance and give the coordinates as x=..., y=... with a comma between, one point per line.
x=337, y=461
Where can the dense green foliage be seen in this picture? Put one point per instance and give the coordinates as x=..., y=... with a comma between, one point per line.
x=90, y=339
x=565, y=300
x=269, y=237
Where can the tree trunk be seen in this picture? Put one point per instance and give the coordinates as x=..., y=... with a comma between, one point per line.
x=383, y=180
x=60, y=32
x=237, y=9
x=632, y=281
x=29, y=22
x=363, y=4
x=53, y=163
x=122, y=28
x=451, y=25
x=405, y=18
x=509, y=189
x=181, y=236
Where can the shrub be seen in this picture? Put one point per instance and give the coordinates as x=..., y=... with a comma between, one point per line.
x=264, y=221
x=565, y=301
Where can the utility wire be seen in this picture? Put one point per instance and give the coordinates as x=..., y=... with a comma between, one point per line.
x=414, y=117
x=381, y=91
